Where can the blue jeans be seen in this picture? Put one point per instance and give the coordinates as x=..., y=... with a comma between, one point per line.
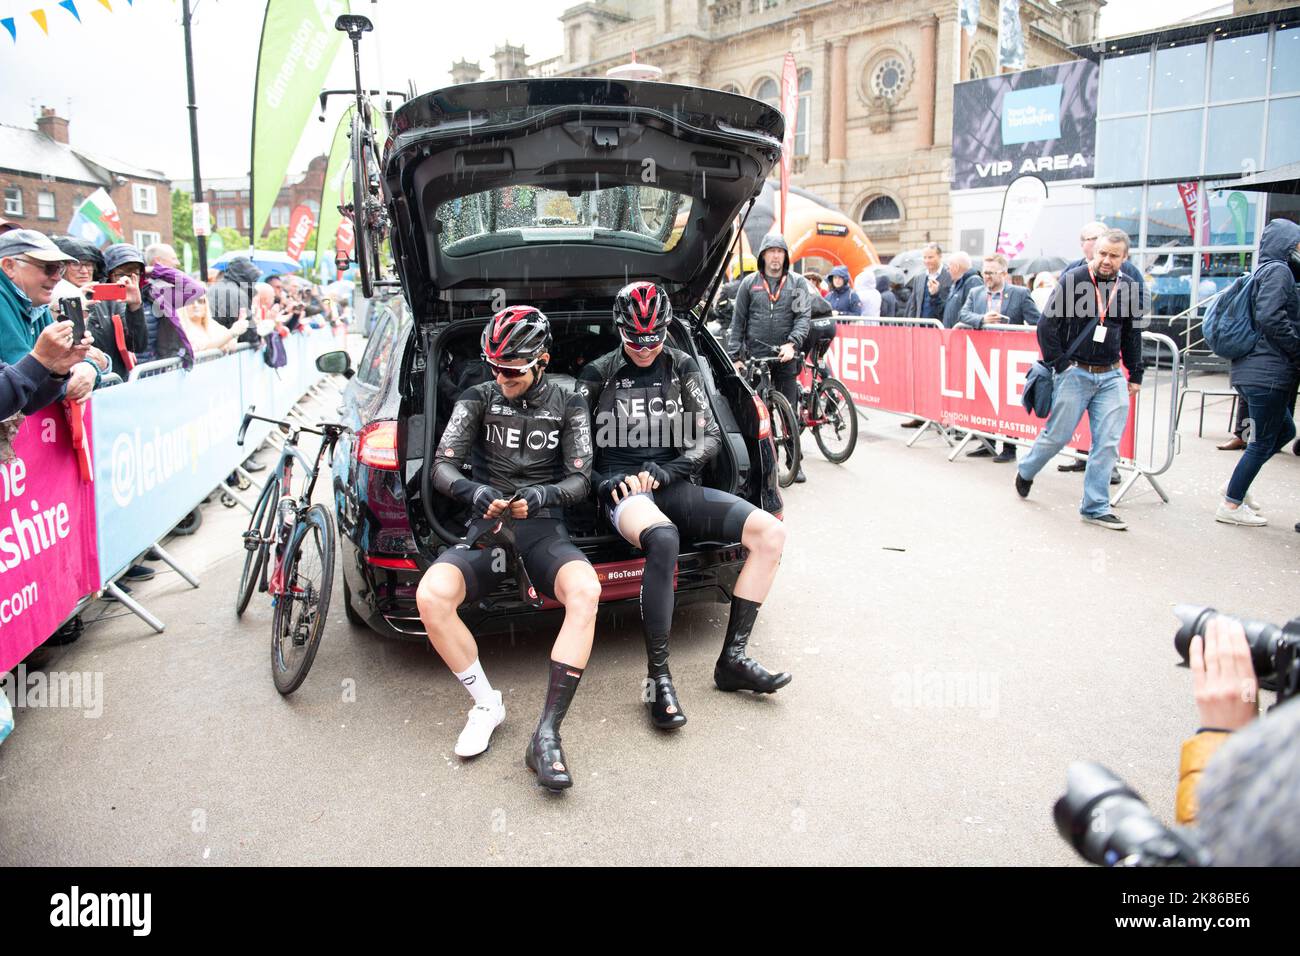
x=1105, y=398
x=1269, y=426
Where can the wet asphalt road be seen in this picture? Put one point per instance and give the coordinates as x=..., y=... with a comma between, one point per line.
x=953, y=649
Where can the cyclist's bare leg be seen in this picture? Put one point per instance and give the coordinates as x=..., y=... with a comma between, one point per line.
x=577, y=588
x=441, y=591
x=764, y=537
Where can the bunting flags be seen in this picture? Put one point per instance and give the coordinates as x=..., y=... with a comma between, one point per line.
x=40, y=15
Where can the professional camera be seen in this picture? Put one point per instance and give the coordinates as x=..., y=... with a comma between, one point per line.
x=1274, y=651
x=1110, y=825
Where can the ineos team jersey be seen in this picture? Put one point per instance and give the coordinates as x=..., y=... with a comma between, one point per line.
x=542, y=439
x=659, y=414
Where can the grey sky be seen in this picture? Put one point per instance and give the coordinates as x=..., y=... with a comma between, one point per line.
x=120, y=77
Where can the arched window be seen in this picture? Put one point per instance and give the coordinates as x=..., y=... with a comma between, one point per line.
x=805, y=111
x=881, y=209
x=768, y=91
x=730, y=88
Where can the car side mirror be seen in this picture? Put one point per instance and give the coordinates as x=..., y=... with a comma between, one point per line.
x=335, y=363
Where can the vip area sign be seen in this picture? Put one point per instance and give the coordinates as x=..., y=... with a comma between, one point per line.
x=1036, y=122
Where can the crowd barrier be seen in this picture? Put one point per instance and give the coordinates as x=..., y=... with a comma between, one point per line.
x=160, y=443
x=965, y=385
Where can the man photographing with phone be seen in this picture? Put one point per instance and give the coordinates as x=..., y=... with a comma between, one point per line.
x=30, y=268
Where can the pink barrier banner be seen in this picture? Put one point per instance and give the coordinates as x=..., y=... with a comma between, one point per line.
x=875, y=364
x=968, y=379
x=48, y=556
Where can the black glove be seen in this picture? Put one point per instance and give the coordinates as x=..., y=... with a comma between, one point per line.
x=605, y=490
x=534, y=496
x=477, y=496
x=658, y=473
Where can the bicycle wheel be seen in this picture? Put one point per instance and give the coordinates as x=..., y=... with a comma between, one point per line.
x=836, y=417
x=262, y=524
x=360, y=197
x=300, y=610
x=785, y=435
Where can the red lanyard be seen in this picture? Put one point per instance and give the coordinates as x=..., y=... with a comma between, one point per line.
x=1110, y=299
x=773, y=296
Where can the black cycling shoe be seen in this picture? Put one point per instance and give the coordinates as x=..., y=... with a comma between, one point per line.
x=545, y=758
x=1023, y=485
x=737, y=671
x=665, y=708
x=544, y=755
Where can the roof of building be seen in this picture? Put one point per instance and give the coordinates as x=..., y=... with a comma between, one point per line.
x=1185, y=32
x=31, y=151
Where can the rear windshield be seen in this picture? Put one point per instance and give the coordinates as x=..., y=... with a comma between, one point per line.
x=633, y=216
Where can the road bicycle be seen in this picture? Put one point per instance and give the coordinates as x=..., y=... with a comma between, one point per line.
x=826, y=408
x=289, y=553
x=785, y=427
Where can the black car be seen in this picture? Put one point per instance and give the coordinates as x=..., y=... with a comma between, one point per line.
x=551, y=193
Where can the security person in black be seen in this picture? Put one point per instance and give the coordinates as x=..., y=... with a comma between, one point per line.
x=655, y=432
x=772, y=316
x=529, y=446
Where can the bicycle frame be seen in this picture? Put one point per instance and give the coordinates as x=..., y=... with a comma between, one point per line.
x=284, y=474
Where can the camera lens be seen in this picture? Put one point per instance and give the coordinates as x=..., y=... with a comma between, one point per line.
x=1262, y=637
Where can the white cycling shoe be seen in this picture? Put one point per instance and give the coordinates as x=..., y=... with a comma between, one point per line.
x=476, y=736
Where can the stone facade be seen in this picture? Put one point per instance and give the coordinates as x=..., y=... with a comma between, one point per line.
x=878, y=74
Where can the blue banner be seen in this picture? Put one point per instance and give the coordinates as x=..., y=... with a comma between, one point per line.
x=1031, y=115
x=162, y=443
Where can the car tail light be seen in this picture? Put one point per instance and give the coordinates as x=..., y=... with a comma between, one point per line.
x=397, y=564
x=764, y=420
x=377, y=445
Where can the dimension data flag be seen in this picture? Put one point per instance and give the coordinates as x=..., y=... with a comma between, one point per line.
x=298, y=45
x=96, y=221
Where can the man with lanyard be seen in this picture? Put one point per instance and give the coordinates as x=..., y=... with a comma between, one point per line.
x=772, y=316
x=529, y=448
x=1100, y=308
x=655, y=432
x=1088, y=236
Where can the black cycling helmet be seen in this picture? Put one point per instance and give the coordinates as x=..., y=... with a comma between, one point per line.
x=642, y=312
x=516, y=332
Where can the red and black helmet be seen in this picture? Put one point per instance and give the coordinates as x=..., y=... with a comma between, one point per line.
x=642, y=313
x=516, y=332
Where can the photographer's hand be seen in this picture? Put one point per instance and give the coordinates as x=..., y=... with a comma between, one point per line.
x=1224, y=680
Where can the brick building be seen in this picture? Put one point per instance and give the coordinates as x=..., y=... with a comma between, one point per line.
x=875, y=82
x=44, y=179
x=229, y=198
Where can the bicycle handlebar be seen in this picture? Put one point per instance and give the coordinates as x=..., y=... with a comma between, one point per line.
x=330, y=430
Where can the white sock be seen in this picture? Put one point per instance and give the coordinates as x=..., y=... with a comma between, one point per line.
x=476, y=683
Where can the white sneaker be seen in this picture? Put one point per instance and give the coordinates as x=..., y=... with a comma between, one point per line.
x=1249, y=501
x=1239, y=515
x=476, y=736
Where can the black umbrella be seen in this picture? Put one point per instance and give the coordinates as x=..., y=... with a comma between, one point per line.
x=1031, y=267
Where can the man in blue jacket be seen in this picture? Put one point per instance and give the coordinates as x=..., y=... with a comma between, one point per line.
x=1266, y=377
x=842, y=296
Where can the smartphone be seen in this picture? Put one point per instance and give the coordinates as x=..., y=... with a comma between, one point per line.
x=71, y=309
x=107, y=292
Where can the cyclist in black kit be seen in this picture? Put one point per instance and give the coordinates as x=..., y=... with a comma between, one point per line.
x=529, y=446
x=655, y=431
